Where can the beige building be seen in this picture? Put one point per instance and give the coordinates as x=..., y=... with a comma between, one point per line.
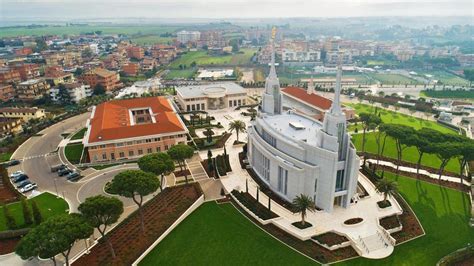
x=213, y=96
x=32, y=89
x=128, y=129
x=22, y=113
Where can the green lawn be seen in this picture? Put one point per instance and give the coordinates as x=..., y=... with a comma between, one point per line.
x=409, y=154
x=446, y=78
x=78, y=29
x=392, y=78
x=220, y=235
x=48, y=204
x=202, y=58
x=176, y=73
x=73, y=152
x=444, y=214
x=388, y=116
x=5, y=156
x=151, y=40
x=79, y=134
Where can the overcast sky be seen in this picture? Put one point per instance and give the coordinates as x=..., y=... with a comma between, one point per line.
x=87, y=9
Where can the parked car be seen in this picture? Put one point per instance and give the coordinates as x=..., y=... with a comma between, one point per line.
x=20, y=178
x=73, y=175
x=57, y=167
x=28, y=188
x=64, y=171
x=16, y=173
x=13, y=162
x=23, y=183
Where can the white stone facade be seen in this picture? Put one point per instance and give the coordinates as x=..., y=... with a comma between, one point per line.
x=295, y=154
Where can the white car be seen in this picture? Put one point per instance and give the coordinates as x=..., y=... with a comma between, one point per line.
x=16, y=173
x=28, y=188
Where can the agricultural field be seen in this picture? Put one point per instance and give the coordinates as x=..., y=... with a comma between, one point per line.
x=456, y=94
x=151, y=40
x=202, y=58
x=79, y=29
x=447, y=78
x=392, y=78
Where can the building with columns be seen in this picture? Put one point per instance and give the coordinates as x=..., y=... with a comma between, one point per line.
x=296, y=154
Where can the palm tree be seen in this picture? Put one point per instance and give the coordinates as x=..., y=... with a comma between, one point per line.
x=387, y=188
x=303, y=203
x=237, y=126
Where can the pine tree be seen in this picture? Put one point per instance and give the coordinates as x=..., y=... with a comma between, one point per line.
x=36, y=213
x=9, y=220
x=26, y=212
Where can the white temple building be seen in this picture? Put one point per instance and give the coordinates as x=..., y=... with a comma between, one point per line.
x=296, y=154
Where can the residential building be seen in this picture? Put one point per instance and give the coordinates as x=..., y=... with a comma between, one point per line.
x=55, y=75
x=110, y=80
x=148, y=64
x=10, y=126
x=23, y=113
x=164, y=53
x=77, y=91
x=131, y=69
x=27, y=71
x=188, y=36
x=212, y=96
x=9, y=76
x=32, y=89
x=24, y=51
x=135, y=52
x=131, y=128
x=6, y=92
x=295, y=154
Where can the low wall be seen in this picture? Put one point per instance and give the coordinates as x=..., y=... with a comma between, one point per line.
x=193, y=207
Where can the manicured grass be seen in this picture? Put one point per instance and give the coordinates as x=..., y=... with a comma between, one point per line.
x=392, y=78
x=388, y=116
x=176, y=73
x=73, y=152
x=5, y=156
x=202, y=58
x=220, y=235
x=48, y=204
x=446, y=78
x=459, y=94
x=79, y=134
x=409, y=154
x=151, y=40
x=444, y=214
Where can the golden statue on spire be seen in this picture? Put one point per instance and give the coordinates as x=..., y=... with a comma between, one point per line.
x=274, y=32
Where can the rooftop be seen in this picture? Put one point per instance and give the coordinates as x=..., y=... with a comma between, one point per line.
x=31, y=82
x=19, y=109
x=312, y=99
x=294, y=126
x=204, y=90
x=118, y=119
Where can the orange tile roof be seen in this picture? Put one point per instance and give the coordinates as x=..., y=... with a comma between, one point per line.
x=111, y=119
x=312, y=99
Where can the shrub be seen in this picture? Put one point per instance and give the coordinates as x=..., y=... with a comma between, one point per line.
x=9, y=219
x=26, y=212
x=36, y=213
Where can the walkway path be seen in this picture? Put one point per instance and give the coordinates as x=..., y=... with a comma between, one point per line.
x=423, y=172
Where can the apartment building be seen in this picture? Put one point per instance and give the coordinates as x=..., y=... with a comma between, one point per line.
x=32, y=89
x=110, y=80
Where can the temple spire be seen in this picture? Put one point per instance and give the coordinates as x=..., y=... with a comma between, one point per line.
x=272, y=101
x=336, y=103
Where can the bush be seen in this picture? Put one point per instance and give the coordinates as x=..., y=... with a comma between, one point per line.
x=26, y=212
x=9, y=219
x=36, y=213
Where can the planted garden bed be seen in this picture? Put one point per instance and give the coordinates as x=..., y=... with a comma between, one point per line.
x=250, y=203
x=411, y=227
x=127, y=238
x=300, y=225
x=182, y=173
x=390, y=222
x=8, y=245
x=330, y=239
x=353, y=221
x=384, y=204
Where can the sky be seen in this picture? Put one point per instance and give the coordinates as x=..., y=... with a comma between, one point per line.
x=29, y=10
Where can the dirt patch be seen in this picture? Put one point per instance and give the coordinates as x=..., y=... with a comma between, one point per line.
x=182, y=173
x=330, y=239
x=390, y=222
x=411, y=227
x=127, y=238
x=353, y=221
